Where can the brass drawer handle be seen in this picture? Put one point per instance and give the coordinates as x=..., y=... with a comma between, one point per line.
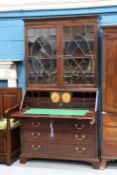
x=36, y=148
x=81, y=126
x=35, y=135
x=36, y=124
x=80, y=150
x=80, y=137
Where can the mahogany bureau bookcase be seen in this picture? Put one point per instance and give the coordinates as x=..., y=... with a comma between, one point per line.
x=9, y=131
x=109, y=95
x=58, y=112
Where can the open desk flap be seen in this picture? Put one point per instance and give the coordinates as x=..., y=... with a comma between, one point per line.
x=60, y=104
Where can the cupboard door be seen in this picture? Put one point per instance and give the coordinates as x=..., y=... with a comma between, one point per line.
x=109, y=82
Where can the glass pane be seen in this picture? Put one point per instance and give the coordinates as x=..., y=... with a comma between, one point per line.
x=78, y=55
x=42, y=56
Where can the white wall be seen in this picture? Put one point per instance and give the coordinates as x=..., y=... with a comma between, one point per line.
x=53, y=4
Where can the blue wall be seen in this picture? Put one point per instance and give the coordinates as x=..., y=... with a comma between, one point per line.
x=3, y=83
x=11, y=39
x=12, y=46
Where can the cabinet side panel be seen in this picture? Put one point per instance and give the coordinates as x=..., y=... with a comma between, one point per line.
x=109, y=83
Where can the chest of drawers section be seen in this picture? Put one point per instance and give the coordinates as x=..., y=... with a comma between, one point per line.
x=58, y=139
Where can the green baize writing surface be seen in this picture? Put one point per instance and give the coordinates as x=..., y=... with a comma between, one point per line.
x=46, y=111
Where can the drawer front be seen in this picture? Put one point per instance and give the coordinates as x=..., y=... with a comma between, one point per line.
x=110, y=133
x=74, y=125
x=109, y=149
x=109, y=120
x=39, y=148
x=76, y=151
x=58, y=125
x=2, y=144
x=80, y=151
x=38, y=136
x=59, y=137
x=76, y=137
x=35, y=124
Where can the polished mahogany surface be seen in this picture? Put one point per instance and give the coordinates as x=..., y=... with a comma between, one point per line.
x=61, y=73
x=9, y=137
x=109, y=94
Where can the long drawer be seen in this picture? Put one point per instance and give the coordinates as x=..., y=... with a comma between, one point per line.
x=76, y=151
x=58, y=125
x=59, y=137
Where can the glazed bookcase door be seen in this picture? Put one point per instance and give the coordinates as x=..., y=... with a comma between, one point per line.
x=110, y=72
x=61, y=54
x=79, y=62
x=42, y=65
